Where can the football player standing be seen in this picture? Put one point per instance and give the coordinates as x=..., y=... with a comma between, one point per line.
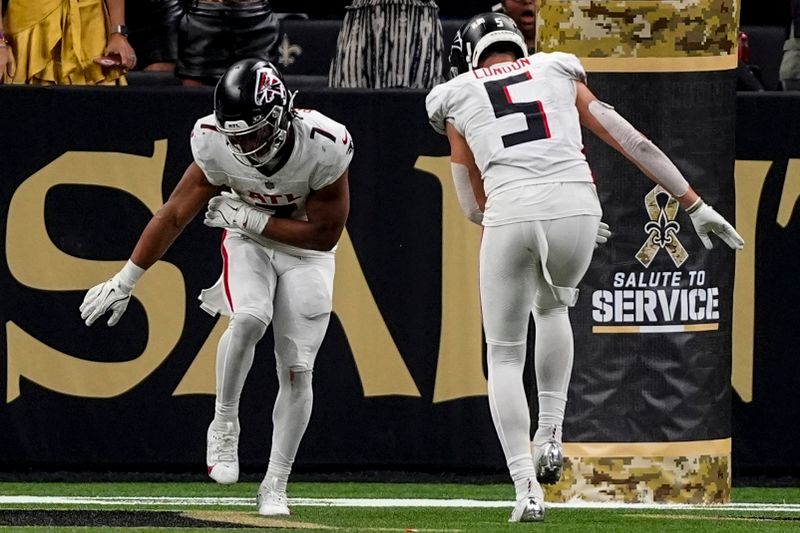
x=275, y=179
x=513, y=122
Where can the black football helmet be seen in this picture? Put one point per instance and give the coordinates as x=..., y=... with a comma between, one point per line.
x=253, y=109
x=477, y=34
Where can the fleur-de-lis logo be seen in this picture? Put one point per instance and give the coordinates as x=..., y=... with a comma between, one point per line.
x=287, y=51
x=662, y=230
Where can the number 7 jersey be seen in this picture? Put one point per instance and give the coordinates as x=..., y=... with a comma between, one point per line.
x=519, y=119
x=322, y=151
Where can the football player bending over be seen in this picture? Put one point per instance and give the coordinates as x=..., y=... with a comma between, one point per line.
x=514, y=126
x=275, y=181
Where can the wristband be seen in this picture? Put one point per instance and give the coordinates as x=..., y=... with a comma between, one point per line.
x=130, y=274
x=695, y=206
x=121, y=29
x=255, y=221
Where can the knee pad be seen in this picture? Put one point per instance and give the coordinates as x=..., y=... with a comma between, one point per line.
x=298, y=378
x=301, y=377
x=546, y=298
x=506, y=354
x=247, y=327
x=546, y=312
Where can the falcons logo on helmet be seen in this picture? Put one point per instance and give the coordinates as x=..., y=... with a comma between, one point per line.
x=458, y=42
x=268, y=86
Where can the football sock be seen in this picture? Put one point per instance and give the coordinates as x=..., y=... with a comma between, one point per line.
x=234, y=359
x=551, y=417
x=289, y=421
x=524, y=477
x=553, y=357
x=509, y=407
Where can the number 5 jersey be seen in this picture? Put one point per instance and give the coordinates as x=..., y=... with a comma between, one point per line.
x=521, y=123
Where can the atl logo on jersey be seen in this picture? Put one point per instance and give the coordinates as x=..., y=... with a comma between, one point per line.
x=273, y=199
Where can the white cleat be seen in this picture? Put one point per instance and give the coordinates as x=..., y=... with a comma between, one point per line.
x=222, y=452
x=528, y=509
x=548, y=460
x=270, y=502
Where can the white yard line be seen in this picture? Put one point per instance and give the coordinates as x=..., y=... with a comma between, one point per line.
x=373, y=502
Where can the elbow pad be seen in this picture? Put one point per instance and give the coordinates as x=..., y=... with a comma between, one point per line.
x=640, y=149
x=465, y=194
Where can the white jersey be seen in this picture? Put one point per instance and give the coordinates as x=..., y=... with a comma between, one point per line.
x=322, y=152
x=521, y=123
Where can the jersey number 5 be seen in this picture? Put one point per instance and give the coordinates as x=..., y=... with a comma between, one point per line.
x=503, y=106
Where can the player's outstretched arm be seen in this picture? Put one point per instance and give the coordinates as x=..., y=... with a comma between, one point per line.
x=466, y=176
x=189, y=196
x=187, y=199
x=618, y=133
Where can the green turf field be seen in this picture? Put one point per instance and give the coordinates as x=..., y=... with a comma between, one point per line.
x=361, y=507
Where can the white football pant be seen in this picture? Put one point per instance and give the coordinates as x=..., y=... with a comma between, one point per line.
x=526, y=267
x=259, y=286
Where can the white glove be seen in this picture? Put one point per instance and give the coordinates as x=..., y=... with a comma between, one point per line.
x=706, y=220
x=113, y=294
x=603, y=233
x=229, y=211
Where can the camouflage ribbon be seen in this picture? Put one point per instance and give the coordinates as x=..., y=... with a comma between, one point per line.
x=662, y=229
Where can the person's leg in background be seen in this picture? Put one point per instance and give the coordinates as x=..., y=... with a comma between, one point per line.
x=352, y=62
x=153, y=26
x=204, y=44
x=789, y=72
x=389, y=44
x=255, y=31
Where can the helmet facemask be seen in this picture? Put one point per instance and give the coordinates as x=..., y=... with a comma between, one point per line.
x=257, y=144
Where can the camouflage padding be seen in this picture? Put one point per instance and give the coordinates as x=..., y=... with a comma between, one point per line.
x=697, y=479
x=640, y=28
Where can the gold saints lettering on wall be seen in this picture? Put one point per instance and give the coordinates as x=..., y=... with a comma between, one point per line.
x=35, y=261
x=459, y=372
x=750, y=177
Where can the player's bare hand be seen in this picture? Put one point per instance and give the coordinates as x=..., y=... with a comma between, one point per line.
x=706, y=220
x=111, y=295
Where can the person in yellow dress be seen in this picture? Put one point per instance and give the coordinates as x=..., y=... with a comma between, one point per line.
x=55, y=42
x=7, y=66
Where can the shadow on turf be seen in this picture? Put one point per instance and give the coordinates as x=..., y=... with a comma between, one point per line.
x=143, y=519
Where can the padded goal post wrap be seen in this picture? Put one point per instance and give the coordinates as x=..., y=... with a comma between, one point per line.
x=649, y=410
